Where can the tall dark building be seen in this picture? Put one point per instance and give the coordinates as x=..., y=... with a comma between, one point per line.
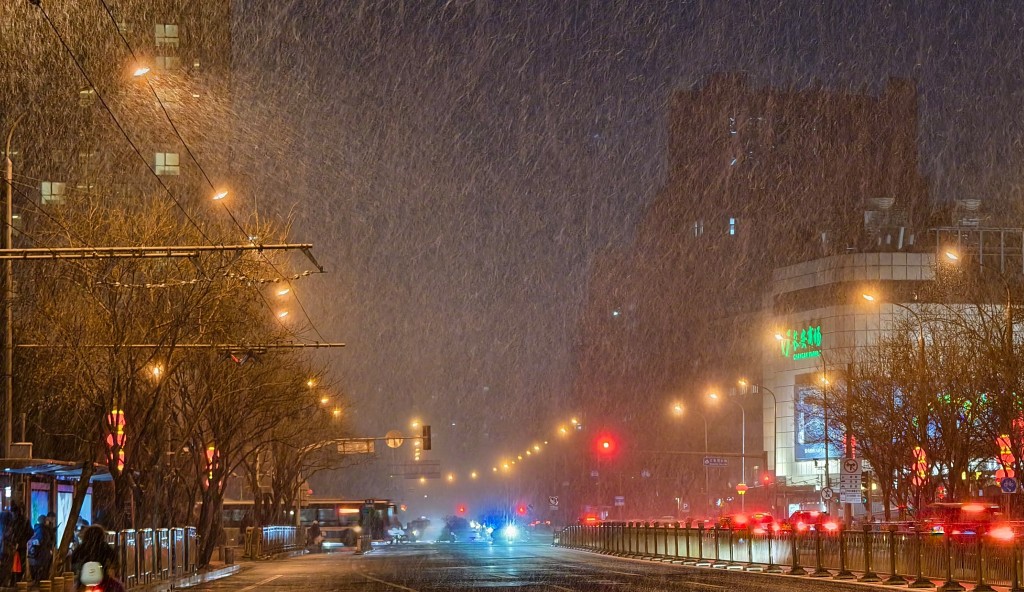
x=758, y=178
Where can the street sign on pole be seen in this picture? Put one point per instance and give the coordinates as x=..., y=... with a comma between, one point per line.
x=827, y=493
x=620, y=501
x=1008, y=485
x=553, y=501
x=715, y=461
x=849, y=481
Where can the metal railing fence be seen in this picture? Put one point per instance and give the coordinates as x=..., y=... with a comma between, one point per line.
x=892, y=556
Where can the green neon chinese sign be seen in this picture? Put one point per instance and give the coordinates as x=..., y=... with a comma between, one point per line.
x=803, y=343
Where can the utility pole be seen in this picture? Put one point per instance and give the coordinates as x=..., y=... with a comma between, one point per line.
x=9, y=297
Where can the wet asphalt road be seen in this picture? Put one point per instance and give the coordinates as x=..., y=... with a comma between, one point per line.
x=424, y=567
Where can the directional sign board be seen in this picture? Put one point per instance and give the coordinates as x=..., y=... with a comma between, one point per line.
x=849, y=481
x=620, y=501
x=715, y=461
x=1008, y=485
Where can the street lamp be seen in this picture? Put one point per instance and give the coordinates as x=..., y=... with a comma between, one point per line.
x=743, y=445
x=775, y=424
x=679, y=411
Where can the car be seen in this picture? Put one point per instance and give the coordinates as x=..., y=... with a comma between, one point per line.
x=810, y=520
x=759, y=522
x=962, y=519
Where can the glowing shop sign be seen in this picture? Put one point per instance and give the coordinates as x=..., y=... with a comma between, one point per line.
x=802, y=343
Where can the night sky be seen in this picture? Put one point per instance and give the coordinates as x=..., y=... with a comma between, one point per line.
x=459, y=165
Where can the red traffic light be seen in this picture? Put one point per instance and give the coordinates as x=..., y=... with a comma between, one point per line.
x=461, y=509
x=521, y=510
x=606, y=445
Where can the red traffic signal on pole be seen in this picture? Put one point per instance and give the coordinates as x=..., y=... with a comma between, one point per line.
x=521, y=510
x=461, y=509
x=606, y=445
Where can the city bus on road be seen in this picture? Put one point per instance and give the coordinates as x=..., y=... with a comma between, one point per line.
x=341, y=521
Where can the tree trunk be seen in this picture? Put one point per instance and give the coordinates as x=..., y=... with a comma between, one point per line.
x=77, y=500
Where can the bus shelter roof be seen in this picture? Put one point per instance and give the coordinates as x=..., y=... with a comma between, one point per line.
x=55, y=469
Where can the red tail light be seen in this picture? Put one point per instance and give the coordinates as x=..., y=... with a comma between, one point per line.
x=831, y=526
x=801, y=526
x=776, y=527
x=1002, y=533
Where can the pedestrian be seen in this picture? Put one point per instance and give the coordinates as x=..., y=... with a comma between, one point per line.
x=16, y=535
x=313, y=536
x=6, y=549
x=94, y=548
x=40, y=548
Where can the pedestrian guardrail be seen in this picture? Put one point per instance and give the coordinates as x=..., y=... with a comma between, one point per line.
x=262, y=541
x=891, y=556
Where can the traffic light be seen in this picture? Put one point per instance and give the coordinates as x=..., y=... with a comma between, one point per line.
x=426, y=437
x=461, y=510
x=766, y=478
x=606, y=445
x=865, y=486
x=521, y=510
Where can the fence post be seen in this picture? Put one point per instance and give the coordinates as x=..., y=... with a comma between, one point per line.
x=869, y=574
x=981, y=586
x=796, y=570
x=819, y=570
x=750, y=545
x=676, y=535
x=687, y=539
x=894, y=578
x=919, y=580
x=1015, y=570
x=647, y=539
x=700, y=540
x=772, y=568
x=950, y=585
x=730, y=538
x=844, y=571
x=718, y=545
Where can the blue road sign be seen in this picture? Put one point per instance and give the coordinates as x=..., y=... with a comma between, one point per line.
x=1008, y=485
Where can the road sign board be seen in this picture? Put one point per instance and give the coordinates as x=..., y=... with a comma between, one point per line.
x=620, y=501
x=827, y=493
x=849, y=481
x=715, y=461
x=553, y=501
x=393, y=439
x=1008, y=485
x=684, y=506
x=846, y=497
x=852, y=466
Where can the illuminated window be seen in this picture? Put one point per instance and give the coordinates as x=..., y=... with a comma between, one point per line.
x=52, y=193
x=698, y=228
x=167, y=163
x=86, y=97
x=167, y=35
x=732, y=226
x=168, y=62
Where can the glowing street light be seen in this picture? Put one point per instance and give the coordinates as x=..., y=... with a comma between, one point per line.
x=310, y=382
x=324, y=400
x=156, y=370
x=574, y=421
x=283, y=291
x=473, y=475
x=282, y=314
x=141, y=71
x=220, y=195
x=451, y=477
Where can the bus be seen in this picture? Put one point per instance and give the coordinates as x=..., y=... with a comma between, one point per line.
x=341, y=521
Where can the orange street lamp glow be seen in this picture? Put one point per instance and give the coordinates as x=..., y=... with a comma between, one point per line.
x=141, y=71
x=324, y=400
x=337, y=412
x=742, y=382
x=157, y=370
x=283, y=291
x=451, y=477
x=282, y=314
x=713, y=396
x=952, y=256
x=677, y=408
x=536, y=447
x=779, y=337
x=574, y=421
x=220, y=195
x=310, y=382
x=868, y=297
x=472, y=475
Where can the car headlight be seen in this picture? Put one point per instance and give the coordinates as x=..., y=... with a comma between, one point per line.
x=511, y=531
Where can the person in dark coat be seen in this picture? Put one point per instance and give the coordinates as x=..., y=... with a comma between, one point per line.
x=15, y=544
x=40, y=548
x=94, y=547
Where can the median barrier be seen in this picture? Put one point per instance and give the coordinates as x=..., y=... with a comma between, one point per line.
x=895, y=556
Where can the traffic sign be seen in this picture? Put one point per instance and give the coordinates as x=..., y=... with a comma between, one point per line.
x=393, y=439
x=620, y=501
x=827, y=493
x=684, y=506
x=715, y=461
x=852, y=466
x=1008, y=485
x=849, y=481
x=553, y=501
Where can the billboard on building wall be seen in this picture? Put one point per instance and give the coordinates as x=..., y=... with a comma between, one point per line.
x=809, y=421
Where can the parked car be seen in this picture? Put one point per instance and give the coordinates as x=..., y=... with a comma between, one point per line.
x=962, y=519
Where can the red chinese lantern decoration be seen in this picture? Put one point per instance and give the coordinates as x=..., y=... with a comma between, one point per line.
x=1006, y=458
x=920, y=468
x=116, y=438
